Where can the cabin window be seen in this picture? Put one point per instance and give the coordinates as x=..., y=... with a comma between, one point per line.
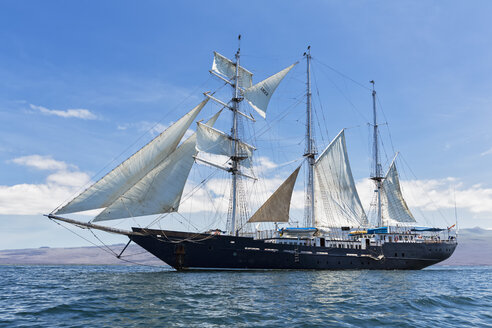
x=396, y=254
x=402, y=254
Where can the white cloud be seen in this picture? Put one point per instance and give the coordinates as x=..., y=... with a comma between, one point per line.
x=84, y=114
x=66, y=180
x=40, y=162
x=33, y=199
x=424, y=197
x=487, y=152
x=264, y=164
x=437, y=194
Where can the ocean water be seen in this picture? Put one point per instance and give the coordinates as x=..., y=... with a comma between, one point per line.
x=119, y=296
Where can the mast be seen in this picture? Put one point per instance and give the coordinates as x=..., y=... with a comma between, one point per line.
x=234, y=135
x=258, y=96
x=310, y=151
x=376, y=176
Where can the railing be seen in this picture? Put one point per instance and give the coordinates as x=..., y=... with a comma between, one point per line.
x=265, y=234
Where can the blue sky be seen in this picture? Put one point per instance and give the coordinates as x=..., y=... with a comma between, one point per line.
x=132, y=64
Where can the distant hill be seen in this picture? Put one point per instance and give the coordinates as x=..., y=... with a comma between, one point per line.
x=474, y=248
x=79, y=255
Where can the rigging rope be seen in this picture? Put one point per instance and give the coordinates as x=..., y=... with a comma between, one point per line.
x=87, y=185
x=106, y=249
x=429, y=197
x=343, y=75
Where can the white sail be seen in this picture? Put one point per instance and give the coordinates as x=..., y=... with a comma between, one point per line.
x=258, y=95
x=276, y=208
x=227, y=68
x=394, y=209
x=123, y=177
x=161, y=189
x=336, y=200
x=213, y=141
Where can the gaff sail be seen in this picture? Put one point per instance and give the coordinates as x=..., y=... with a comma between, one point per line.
x=336, y=200
x=276, y=208
x=394, y=209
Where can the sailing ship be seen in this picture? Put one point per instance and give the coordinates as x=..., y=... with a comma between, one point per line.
x=336, y=233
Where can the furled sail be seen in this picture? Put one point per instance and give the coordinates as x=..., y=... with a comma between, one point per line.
x=161, y=189
x=213, y=141
x=394, y=209
x=336, y=199
x=258, y=95
x=226, y=67
x=276, y=208
x=105, y=191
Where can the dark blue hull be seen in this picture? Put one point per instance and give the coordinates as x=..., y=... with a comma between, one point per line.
x=188, y=251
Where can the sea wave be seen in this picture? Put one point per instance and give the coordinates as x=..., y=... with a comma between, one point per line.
x=119, y=296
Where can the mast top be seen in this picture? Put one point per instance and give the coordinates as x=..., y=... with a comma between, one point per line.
x=308, y=52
